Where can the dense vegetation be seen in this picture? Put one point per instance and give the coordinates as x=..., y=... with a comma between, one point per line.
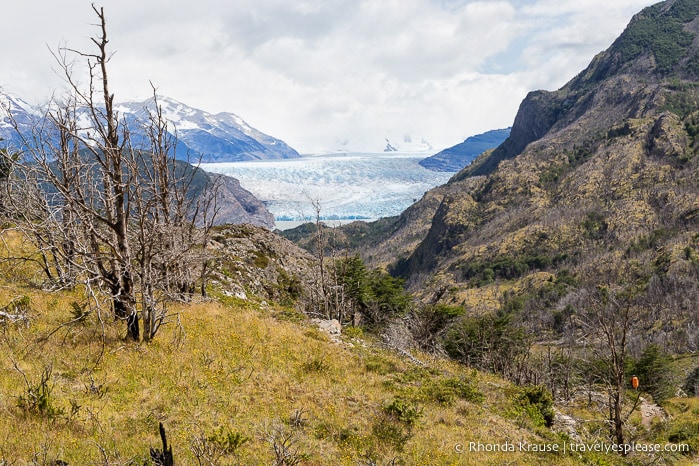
x=659, y=31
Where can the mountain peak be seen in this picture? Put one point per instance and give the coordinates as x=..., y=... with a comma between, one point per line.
x=658, y=43
x=644, y=71
x=223, y=137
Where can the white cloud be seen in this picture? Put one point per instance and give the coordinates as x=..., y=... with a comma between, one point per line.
x=314, y=72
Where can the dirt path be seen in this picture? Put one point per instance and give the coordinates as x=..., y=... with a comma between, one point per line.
x=650, y=411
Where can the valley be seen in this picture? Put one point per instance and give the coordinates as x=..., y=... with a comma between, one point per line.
x=533, y=298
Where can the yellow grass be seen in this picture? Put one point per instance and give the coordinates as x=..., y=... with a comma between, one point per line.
x=232, y=367
x=226, y=366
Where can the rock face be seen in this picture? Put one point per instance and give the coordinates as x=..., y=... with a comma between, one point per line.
x=249, y=260
x=237, y=205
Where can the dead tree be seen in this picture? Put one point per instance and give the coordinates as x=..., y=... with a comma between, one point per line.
x=115, y=212
x=608, y=318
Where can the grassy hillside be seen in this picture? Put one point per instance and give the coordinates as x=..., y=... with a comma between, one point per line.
x=249, y=382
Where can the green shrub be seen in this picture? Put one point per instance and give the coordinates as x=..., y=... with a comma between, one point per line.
x=686, y=433
x=395, y=424
x=380, y=365
x=37, y=398
x=289, y=286
x=691, y=384
x=654, y=370
x=227, y=441
x=489, y=342
x=405, y=411
x=483, y=272
x=316, y=365
x=387, y=431
x=447, y=391
x=537, y=402
x=428, y=323
x=376, y=294
x=594, y=225
x=261, y=260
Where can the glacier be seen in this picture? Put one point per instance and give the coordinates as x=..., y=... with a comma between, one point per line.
x=343, y=186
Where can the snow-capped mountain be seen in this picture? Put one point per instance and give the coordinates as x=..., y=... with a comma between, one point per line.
x=223, y=137
x=24, y=115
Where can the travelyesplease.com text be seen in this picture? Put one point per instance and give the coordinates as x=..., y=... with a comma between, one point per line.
x=571, y=447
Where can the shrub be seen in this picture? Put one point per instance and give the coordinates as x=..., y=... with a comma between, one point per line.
x=537, y=402
x=594, y=225
x=377, y=295
x=395, y=424
x=404, y=411
x=387, y=431
x=209, y=449
x=489, y=342
x=691, y=384
x=37, y=398
x=654, y=370
x=447, y=391
x=289, y=287
x=483, y=272
x=380, y=365
x=316, y=365
x=428, y=323
x=686, y=433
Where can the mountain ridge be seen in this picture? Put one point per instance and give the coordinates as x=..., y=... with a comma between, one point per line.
x=220, y=137
x=598, y=181
x=236, y=204
x=200, y=135
x=457, y=157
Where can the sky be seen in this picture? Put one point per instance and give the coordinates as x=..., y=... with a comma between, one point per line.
x=323, y=75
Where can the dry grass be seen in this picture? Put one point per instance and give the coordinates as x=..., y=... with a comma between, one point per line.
x=229, y=369
x=234, y=382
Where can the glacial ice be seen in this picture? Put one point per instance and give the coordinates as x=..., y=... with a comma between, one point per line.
x=343, y=185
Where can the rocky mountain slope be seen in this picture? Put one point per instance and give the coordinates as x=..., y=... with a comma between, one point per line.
x=236, y=205
x=598, y=181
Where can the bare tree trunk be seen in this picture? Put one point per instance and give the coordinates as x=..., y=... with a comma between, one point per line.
x=118, y=219
x=611, y=316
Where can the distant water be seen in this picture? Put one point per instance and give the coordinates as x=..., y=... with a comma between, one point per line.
x=289, y=224
x=344, y=186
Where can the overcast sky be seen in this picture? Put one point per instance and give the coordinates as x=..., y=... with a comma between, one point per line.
x=325, y=74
